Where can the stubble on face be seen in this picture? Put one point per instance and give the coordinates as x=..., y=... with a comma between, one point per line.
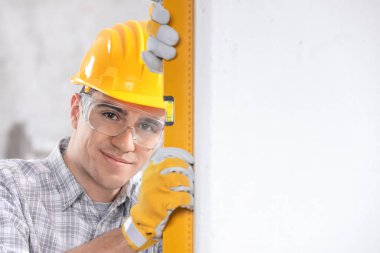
x=98, y=162
x=104, y=169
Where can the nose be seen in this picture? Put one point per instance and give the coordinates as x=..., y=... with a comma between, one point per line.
x=125, y=140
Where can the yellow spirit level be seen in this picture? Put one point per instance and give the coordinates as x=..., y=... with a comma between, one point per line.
x=178, y=90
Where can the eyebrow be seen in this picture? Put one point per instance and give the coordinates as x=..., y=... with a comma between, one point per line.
x=118, y=109
x=152, y=118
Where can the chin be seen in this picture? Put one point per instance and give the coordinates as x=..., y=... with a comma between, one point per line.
x=119, y=180
x=114, y=184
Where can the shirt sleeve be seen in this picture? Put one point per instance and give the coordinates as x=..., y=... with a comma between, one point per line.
x=156, y=248
x=13, y=229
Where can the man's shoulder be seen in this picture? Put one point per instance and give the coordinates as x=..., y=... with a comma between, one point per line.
x=21, y=166
x=22, y=172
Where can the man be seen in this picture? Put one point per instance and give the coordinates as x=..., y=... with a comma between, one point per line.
x=82, y=197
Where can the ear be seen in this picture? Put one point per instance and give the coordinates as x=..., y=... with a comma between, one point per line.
x=75, y=110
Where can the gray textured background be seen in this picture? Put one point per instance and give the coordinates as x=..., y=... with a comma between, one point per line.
x=41, y=46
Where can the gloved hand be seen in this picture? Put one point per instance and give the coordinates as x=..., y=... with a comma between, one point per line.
x=162, y=39
x=167, y=184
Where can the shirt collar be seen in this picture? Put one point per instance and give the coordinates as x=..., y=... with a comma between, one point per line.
x=65, y=182
x=122, y=196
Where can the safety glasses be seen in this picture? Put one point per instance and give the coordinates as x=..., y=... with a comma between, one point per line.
x=113, y=119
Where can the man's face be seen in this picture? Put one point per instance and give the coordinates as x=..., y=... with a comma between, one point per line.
x=100, y=162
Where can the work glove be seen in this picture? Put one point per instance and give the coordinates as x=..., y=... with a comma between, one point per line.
x=167, y=183
x=162, y=39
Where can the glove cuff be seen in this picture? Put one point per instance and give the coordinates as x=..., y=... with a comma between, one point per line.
x=133, y=236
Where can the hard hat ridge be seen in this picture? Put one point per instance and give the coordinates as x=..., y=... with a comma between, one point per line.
x=113, y=66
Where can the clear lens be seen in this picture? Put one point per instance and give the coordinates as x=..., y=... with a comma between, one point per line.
x=112, y=120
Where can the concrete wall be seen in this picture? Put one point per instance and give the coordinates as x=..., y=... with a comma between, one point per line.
x=41, y=46
x=287, y=126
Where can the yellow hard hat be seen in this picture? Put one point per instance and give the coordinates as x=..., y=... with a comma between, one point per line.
x=114, y=66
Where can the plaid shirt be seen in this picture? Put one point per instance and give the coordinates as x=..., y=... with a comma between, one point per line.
x=44, y=209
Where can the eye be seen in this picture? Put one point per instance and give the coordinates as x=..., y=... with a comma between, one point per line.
x=148, y=127
x=111, y=116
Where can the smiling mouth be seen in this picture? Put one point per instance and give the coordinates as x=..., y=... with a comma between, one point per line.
x=115, y=160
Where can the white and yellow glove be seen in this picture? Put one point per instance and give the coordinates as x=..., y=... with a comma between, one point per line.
x=162, y=39
x=167, y=183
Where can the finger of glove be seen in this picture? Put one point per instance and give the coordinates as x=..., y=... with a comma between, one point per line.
x=178, y=182
x=160, y=49
x=167, y=35
x=172, y=152
x=159, y=14
x=163, y=33
x=146, y=219
x=180, y=199
x=174, y=171
x=153, y=63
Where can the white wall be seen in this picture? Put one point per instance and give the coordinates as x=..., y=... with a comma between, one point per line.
x=42, y=43
x=287, y=126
